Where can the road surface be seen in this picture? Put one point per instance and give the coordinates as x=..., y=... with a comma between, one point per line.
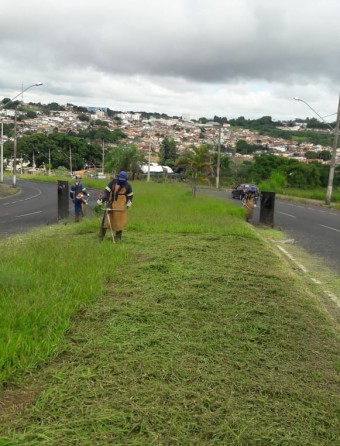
x=35, y=205
x=315, y=228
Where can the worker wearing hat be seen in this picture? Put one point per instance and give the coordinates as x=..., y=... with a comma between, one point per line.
x=118, y=198
x=249, y=200
x=78, y=194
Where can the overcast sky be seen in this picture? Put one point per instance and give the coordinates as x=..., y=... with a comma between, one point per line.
x=181, y=57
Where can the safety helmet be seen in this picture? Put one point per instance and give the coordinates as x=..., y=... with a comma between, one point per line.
x=78, y=177
x=122, y=176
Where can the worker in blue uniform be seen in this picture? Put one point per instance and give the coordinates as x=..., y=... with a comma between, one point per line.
x=78, y=195
x=118, y=197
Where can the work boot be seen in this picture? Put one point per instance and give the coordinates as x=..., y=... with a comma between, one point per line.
x=102, y=232
x=118, y=236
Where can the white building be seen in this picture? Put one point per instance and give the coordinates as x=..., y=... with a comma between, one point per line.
x=156, y=168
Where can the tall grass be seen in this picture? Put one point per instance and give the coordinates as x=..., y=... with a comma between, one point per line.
x=171, y=208
x=313, y=194
x=45, y=277
x=48, y=275
x=192, y=331
x=88, y=182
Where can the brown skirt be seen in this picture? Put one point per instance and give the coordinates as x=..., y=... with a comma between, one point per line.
x=115, y=219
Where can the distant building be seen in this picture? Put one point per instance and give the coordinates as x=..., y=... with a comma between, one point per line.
x=129, y=116
x=94, y=109
x=156, y=168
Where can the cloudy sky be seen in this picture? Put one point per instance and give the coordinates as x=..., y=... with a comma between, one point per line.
x=181, y=57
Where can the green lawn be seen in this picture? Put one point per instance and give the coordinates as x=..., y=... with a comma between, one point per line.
x=193, y=331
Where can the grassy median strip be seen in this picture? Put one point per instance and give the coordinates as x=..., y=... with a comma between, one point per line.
x=193, y=331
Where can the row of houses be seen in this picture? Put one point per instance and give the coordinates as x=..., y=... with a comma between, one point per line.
x=149, y=133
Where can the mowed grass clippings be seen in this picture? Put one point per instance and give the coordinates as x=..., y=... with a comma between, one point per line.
x=202, y=338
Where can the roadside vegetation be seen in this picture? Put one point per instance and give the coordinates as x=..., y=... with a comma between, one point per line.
x=193, y=331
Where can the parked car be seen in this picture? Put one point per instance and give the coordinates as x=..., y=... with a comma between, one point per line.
x=240, y=189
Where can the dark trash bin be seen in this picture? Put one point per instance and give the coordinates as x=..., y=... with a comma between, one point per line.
x=267, y=208
x=63, y=200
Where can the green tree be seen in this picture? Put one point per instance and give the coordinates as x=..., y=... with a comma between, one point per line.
x=276, y=183
x=311, y=155
x=83, y=117
x=325, y=155
x=125, y=157
x=102, y=123
x=31, y=114
x=242, y=147
x=168, y=152
x=197, y=164
x=54, y=106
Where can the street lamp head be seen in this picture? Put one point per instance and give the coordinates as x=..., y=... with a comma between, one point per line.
x=38, y=84
x=296, y=98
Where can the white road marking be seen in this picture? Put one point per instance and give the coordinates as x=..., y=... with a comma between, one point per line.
x=25, y=199
x=329, y=227
x=316, y=281
x=292, y=259
x=284, y=213
x=332, y=296
x=25, y=215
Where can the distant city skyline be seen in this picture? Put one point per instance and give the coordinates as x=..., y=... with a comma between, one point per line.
x=180, y=57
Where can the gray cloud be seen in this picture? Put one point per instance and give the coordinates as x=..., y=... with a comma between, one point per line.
x=245, y=57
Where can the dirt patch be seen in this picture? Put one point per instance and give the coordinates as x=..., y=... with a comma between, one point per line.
x=13, y=401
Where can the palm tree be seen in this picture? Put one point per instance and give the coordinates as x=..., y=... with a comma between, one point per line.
x=197, y=163
x=125, y=157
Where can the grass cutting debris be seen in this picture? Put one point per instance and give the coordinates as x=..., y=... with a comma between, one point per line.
x=192, y=331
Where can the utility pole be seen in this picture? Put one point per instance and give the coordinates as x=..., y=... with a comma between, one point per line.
x=15, y=129
x=2, y=154
x=15, y=150
x=103, y=155
x=334, y=151
x=218, y=158
x=149, y=160
x=333, y=159
x=70, y=160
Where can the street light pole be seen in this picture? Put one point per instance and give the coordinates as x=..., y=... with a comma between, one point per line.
x=149, y=155
x=149, y=161
x=218, y=158
x=334, y=151
x=103, y=155
x=38, y=84
x=2, y=154
x=333, y=159
x=71, y=173
x=14, y=183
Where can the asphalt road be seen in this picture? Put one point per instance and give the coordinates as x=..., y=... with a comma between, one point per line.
x=36, y=205
x=315, y=228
